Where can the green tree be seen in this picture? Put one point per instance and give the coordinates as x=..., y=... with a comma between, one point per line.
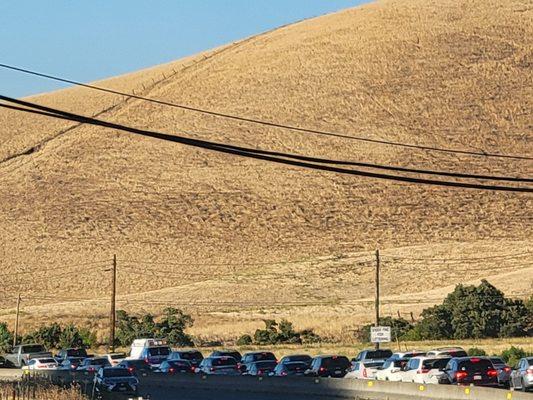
x=71, y=337
x=45, y=335
x=6, y=337
x=399, y=328
x=173, y=325
x=244, y=340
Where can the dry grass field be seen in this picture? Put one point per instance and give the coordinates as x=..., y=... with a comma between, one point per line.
x=234, y=240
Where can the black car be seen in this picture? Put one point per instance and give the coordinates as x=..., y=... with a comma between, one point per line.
x=218, y=366
x=176, y=367
x=193, y=356
x=227, y=353
x=297, y=358
x=136, y=367
x=329, y=366
x=260, y=368
x=93, y=364
x=249, y=358
x=71, y=363
x=73, y=352
x=117, y=380
x=504, y=371
x=291, y=368
x=477, y=371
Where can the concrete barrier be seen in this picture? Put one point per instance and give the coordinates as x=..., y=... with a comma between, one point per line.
x=328, y=387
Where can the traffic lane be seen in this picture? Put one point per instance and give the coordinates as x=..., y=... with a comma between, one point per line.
x=161, y=393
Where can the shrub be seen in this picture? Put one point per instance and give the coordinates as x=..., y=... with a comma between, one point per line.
x=475, y=351
x=244, y=340
x=513, y=354
x=283, y=332
x=6, y=337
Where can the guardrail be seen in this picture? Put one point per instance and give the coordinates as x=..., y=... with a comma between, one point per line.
x=330, y=387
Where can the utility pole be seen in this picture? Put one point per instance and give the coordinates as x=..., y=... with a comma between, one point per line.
x=17, y=322
x=112, y=315
x=377, y=292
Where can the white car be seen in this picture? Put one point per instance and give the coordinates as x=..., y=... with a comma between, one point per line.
x=391, y=370
x=448, y=351
x=115, y=358
x=41, y=364
x=364, y=369
x=425, y=370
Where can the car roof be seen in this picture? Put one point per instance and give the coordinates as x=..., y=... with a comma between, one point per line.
x=257, y=352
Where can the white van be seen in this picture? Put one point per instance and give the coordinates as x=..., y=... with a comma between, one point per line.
x=152, y=351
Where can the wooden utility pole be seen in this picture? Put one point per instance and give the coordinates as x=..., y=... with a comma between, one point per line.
x=377, y=292
x=112, y=315
x=17, y=322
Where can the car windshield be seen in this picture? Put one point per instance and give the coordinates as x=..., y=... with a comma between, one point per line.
x=179, y=363
x=158, y=351
x=223, y=362
x=76, y=353
x=99, y=361
x=135, y=363
x=34, y=348
x=116, y=373
x=336, y=362
x=264, y=356
x=475, y=365
x=378, y=354
x=117, y=356
x=296, y=366
x=47, y=361
x=438, y=363
x=496, y=360
x=372, y=364
x=191, y=355
x=302, y=357
x=530, y=361
x=266, y=364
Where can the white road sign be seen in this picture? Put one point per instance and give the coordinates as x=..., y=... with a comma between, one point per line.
x=380, y=334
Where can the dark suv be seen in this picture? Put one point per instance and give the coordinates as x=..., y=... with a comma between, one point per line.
x=192, y=356
x=477, y=371
x=249, y=358
x=380, y=354
x=332, y=366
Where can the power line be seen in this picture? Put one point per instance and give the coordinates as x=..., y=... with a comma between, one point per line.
x=502, y=256
x=248, y=153
x=261, y=122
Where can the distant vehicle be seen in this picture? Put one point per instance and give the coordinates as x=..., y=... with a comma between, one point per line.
x=477, y=371
x=522, y=376
x=91, y=365
x=41, y=364
x=391, y=370
x=115, y=358
x=426, y=370
x=261, y=368
x=73, y=352
x=376, y=355
x=364, y=369
x=291, y=368
x=504, y=371
x=227, y=353
x=136, y=367
x=297, y=357
x=116, y=380
x=218, y=366
x=249, y=358
x=407, y=355
x=448, y=351
x=71, y=363
x=176, y=367
x=334, y=366
x=193, y=356
x=152, y=351
x=22, y=354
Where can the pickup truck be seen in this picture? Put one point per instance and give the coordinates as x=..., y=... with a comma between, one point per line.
x=20, y=355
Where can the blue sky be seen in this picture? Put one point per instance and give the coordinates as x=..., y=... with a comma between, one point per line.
x=88, y=40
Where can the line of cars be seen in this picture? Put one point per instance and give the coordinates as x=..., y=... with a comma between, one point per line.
x=118, y=372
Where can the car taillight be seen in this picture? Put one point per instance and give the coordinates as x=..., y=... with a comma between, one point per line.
x=321, y=369
x=492, y=373
x=131, y=369
x=212, y=369
x=193, y=369
x=171, y=370
x=529, y=371
x=283, y=373
x=146, y=360
x=73, y=366
x=507, y=369
x=474, y=360
x=260, y=372
x=461, y=375
x=423, y=371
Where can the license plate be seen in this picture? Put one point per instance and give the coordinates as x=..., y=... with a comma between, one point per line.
x=122, y=388
x=477, y=377
x=338, y=372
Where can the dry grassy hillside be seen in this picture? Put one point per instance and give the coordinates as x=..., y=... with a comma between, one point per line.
x=446, y=73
